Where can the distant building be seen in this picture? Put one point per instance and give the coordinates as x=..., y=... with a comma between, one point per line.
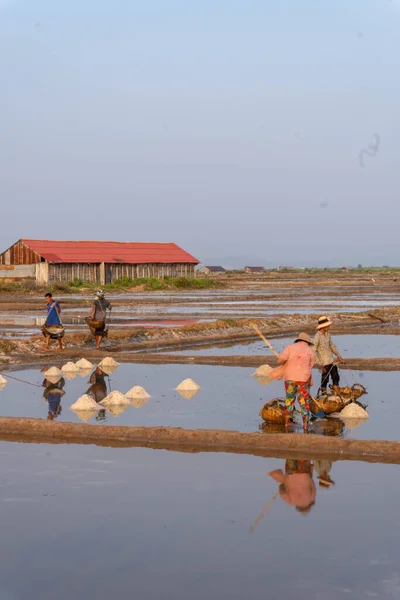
x=206, y=270
x=102, y=262
x=254, y=269
x=286, y=268
x=347, y=269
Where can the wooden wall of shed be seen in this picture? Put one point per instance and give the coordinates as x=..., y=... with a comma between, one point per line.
x=19, y=254
x=92, y=273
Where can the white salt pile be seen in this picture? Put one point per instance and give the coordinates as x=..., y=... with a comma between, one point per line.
x=187, y=385
x=53, y=372
x=263, y=371
x=84, y=364
x=69, y=367
x=115, y=399
x=188, y=394
x=85, y=402
x=353, y=411
x=137, y=392
x=108, y=361
x=3, y=381
x=85, y=415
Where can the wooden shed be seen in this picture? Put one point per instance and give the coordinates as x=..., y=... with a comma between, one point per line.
x=101, y=262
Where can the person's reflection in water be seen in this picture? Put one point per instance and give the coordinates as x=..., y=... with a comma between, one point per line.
x=98, y=390
x=53, y=393
x=297, y=486
x=323, y=468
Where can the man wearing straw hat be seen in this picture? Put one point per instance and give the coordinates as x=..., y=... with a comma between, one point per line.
x=326, y=351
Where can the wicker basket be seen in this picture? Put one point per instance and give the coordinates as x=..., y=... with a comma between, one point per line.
x=358, y=390
x=329, y=404
x=54, y=331
x=330, y=427
x=273, y=411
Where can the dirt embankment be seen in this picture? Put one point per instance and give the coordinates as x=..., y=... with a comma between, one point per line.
x=223, y=330
x=200, y=440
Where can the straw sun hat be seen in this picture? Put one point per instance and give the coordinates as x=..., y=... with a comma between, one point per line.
x=303, y=337
x=323, y=322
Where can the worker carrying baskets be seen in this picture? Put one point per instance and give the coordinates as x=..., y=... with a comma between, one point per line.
x=98, y=317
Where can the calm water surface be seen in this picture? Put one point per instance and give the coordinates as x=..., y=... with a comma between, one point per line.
x=97, y=523
x=230, y=398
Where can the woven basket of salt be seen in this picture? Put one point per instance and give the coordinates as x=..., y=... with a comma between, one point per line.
x=273, y=411
x=54, y=331
x=329, y=404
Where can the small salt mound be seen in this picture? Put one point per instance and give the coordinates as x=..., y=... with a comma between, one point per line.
x=108, y=361
x=139, y=402
x=53, y=372
x=70, y=367
x=115, y=399
x=3, y=381
x=353, y=411
x=263, y=371
x=188, y=394
x=85, y=402
x=137, y=392
x=84, y=364
x=116, y=410
x=85, y=415
x=187, y=385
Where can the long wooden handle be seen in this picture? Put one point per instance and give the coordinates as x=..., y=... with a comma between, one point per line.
x=264, y=339
x=263, y=513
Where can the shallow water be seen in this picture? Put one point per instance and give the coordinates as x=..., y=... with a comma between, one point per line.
x=351, y=346
x=88, y=522
x=230, y=399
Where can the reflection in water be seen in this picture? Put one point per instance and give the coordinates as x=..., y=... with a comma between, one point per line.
x=53, y=393
x=98, y=390
x=296, y=485
x=330, y=426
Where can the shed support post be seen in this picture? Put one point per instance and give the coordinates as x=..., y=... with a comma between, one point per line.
x=102, y=274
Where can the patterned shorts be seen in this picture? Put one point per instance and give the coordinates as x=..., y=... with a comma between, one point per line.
x=301, y=390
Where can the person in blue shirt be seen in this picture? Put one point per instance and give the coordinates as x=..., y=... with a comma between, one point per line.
x=53, y=318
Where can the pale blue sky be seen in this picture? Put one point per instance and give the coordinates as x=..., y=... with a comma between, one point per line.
x=223, y=125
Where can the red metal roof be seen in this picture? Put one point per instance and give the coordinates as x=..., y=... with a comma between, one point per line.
x=109, y=252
